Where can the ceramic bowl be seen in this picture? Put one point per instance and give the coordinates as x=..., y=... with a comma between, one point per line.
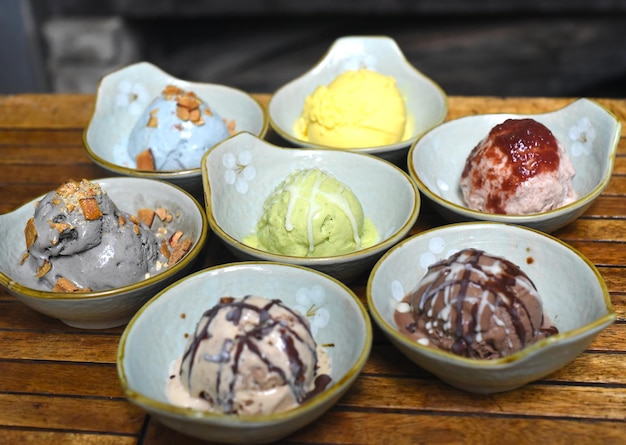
x=588, y=132
x=158, y=333
x=426, y=102
x=123, y=95
x=575, y=299
x=241, y=172
x=114, y=307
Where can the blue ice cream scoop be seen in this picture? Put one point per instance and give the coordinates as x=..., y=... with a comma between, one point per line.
x=177, y=127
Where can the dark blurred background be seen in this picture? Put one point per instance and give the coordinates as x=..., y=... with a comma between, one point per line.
x=470, y=47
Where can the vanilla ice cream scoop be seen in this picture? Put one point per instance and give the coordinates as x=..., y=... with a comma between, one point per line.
x=361, y=108
x=249, y=356
x=518, y=169
x=311, y=213
x=475, y=305
x=175, y=130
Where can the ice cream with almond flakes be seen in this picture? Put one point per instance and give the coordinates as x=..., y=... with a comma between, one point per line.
x=475, y=305
x=79, y=241
x=519, y=168
x=249, y=356
x=175, y=130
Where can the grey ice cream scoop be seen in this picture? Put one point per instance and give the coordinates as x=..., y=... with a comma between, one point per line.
x=78, y=234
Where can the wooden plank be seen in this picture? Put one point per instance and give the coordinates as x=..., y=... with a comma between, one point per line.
x=588, y=368
x=70, y=414
x=28, y=138
x=36, y=437
x=408, y=427
x=613, y=230
x=37, y=111
x=62, y=156
x=542, y=400
x=82, y=346
x=604, y=253
x=46, y=173
x=67, y=379
x=33, y=321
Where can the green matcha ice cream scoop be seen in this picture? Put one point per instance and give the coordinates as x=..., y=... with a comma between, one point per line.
x=313, y=214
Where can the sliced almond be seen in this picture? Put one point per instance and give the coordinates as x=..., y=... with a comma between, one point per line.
x=65, y=285
x=182, y=113
x=146, y=216
x=90, y=208
x=195, y=116
x=30, y=232
x=165, y=249
x=188, y=100
x=41, y=271
x=172, y=90
x=231, y=127
x=60, y=227
x=68, y=188
x=145, y=160
x=25, y=256
x=179, y=251
x=175, y=238
x=161, y=213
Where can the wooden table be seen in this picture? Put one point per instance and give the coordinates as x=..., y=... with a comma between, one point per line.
x=59, y=384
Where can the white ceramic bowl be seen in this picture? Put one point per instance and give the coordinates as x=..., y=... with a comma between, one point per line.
x=241, y=172
x=588, y=132
x=574, y=295
x=123, y=95
x=426, y=102
x=113, y=307
x=158, y=333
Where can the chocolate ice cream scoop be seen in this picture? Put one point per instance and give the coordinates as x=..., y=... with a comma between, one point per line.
x=475, y=305
x=249, y=356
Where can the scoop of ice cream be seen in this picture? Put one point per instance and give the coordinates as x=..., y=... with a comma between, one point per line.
x=311, y=213
x=78, y=240
x=175, y=130
x=249, y=356
x=475, y=305
x=357, y=109
x=518, y=169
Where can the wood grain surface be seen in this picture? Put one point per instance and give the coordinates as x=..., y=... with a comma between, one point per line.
x=59, y=384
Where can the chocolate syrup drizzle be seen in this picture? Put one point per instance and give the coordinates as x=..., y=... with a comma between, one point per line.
x=503, y=284
x=248, y=341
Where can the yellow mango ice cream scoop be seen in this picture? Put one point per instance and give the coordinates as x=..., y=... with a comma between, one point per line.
x=358, y=109
x=312, y=214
